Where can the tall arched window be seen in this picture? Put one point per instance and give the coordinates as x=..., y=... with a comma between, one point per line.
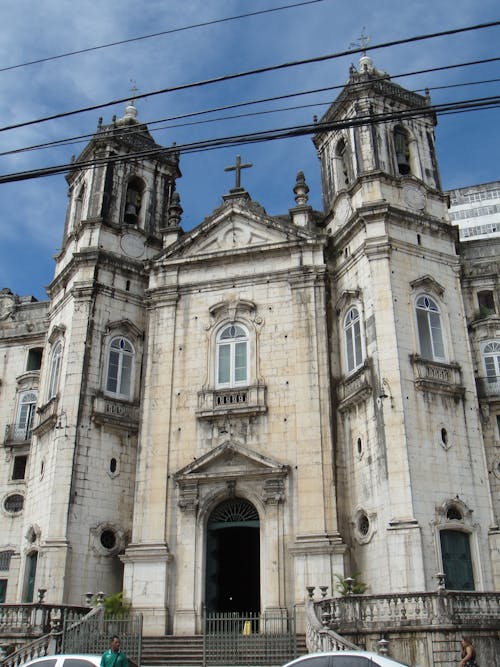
x=402, y=147
x=79, y=205
x=232, y=356
x=343, y=163
x=430, y=332
x=55, y=369
x=25, y=414
x=133, y=201
x=352, y=336
x=119, y=369
x=491, y=361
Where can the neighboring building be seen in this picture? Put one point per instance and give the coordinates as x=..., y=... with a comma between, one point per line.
x=476, y=210
x=228, y=415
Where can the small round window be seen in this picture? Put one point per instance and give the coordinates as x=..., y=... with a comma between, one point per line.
x=363, y=524
x=108, y=539
x=14, y=503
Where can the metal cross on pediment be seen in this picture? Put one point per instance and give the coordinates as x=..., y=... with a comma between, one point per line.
x=237, y=168
x=362, y=41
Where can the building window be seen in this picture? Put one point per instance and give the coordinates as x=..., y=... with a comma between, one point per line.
x=352, y=335
x=457, y=562
x=19, y=467
x=25, y=414
x=133, y=201
x=14, y=503
x=343, y=163
x=491, y=360
x=3, y=590
x=486, y=303
x=232, y=356
x=34, y=359
x=5, y=557
x=402, y=147
x=55, y=369
x=429, y=329
x=120, y=364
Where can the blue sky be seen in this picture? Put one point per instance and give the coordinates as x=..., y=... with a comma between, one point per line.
x=32, y=212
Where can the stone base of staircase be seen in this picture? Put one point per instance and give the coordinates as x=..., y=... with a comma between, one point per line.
x=184, y=650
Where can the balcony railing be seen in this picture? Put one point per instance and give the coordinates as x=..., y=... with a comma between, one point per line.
x=396, y=611
x=17, y=435
x=116, y=413
x=355, y=388
x=437, y=377
x=247, y=400
x=488, y=386
x=36, y=619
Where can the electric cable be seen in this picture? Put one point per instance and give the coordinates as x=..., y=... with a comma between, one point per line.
x=252, y=72
x=158, y=34
x=133, y=130
x=258, y=137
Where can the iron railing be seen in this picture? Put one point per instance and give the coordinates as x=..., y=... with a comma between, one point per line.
x=249, y=638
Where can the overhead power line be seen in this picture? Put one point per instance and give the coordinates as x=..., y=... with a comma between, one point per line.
x=68, y=141
x=258, y=137
x=260, y=70
x=159, y=34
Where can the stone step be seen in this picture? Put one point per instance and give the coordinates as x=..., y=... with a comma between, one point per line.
x=179, y=650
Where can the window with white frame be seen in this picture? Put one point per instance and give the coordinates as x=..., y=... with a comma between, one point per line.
x=55, y=369
x=119, y=368
x=25, y=414
x=352, y=337
x=232, y=356
x=430, y=333
x=491, y=360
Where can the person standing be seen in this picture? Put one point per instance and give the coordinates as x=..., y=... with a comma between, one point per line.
x=468, y=653
x=113, y=657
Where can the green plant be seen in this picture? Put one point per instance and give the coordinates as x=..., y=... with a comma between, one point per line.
x=350, y=585
x=115, y=606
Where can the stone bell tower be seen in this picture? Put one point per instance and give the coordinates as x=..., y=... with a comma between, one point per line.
x=405, y=392
x=122, y=209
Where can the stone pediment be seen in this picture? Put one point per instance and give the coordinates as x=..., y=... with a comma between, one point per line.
x=229, y=461
x=234, y=226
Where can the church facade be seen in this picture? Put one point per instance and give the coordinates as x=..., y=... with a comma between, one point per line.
x=217, y=419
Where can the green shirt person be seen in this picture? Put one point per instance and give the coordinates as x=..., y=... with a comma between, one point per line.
x=113, y=657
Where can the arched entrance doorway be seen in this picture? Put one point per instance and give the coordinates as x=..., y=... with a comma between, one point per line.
x=232, y=581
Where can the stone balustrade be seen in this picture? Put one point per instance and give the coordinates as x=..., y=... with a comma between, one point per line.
x=36, y=619
x=397, y=611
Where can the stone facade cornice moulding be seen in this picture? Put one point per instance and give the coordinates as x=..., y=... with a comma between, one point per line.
x=428, y=283
x=317, y=544
x=148, y=552
x=124, y=325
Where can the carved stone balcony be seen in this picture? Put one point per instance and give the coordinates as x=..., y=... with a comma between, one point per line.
x=46, y=416
x=488, y=387
x=245, y=401
x=17, y=436
x=355, y=388
x=437, y=377
x=115, y=413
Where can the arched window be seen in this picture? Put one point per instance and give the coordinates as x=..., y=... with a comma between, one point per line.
x=352, y=337
x=343, y=163
x=491, y=361
x=402, y=147
x=25, y=414
x=429, y=329
x=55, y=369
x=119, y=370
x=79, y=199
x=133, y=201
x=232, y=356
x=457, y=561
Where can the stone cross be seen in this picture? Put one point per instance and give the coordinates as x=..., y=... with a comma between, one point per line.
x=237, y=168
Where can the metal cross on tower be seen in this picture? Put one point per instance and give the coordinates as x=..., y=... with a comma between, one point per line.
x=362, y=41
x=237, y=168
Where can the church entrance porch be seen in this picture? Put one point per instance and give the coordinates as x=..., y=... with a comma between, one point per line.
x=232, y=582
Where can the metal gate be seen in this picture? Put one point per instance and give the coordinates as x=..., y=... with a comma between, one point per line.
x=249, y=639
x=92, y=635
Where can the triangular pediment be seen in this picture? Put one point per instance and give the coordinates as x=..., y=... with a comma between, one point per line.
x=234, y=226
x=231, y=460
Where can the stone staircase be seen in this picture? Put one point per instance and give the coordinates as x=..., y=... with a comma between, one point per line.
x=184, y=650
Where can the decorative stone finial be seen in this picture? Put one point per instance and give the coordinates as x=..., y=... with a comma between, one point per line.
x=175, y=210
x=301, y=190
